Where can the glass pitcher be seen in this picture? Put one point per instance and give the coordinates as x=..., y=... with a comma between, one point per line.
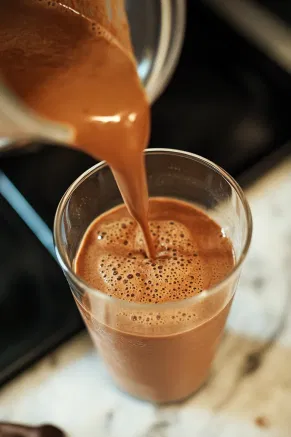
x=157, y=32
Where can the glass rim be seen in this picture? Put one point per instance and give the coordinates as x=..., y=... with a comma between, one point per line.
x=82, y=285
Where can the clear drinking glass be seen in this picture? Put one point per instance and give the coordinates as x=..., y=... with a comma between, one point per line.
x=159, y=352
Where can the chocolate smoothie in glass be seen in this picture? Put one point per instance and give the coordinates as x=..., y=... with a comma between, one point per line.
x=156, y=322
x=192, y=255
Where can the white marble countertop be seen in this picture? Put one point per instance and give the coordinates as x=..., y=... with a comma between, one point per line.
x=249, y=392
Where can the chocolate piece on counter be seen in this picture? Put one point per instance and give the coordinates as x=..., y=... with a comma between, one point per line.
x=13, y=430
x=50, y=431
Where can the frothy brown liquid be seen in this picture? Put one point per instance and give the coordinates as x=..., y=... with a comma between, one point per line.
x=72, y=64
x=161, y=354
x=192, y=254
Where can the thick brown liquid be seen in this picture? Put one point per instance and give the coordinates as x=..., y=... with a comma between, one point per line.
x=73, y=65
x=69, y=63
x=162, y=354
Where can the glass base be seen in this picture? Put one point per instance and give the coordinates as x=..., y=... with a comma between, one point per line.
x=159, y=400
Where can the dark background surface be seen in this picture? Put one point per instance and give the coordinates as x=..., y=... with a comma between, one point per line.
x=226, y=101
